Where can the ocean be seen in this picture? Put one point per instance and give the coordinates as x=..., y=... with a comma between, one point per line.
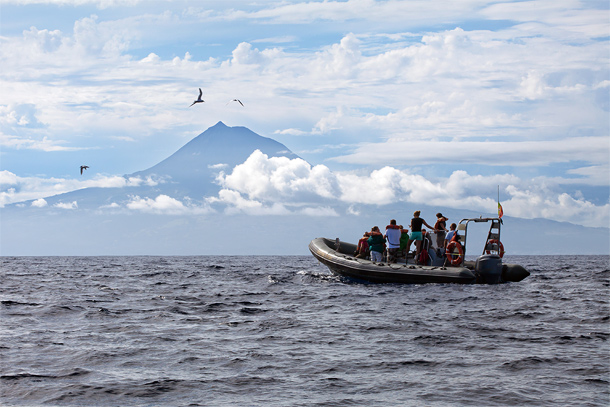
x=282, y=331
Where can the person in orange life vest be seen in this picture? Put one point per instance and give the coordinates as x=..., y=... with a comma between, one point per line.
x=440, y=229
x=392, y=235
x=363, y=246
x=376, y=244
x=416, y=235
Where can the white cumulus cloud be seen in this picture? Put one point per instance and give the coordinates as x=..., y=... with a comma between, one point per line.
x=39, y=203
x=165, y=205
x=66, y=205
x=264, y=185
x=14, y=188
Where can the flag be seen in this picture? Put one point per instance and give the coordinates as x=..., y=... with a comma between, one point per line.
x=500, y=211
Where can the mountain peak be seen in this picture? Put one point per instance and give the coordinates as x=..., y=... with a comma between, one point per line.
x=191, y=166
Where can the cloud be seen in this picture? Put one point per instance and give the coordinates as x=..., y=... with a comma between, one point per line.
x=492, y=153
x=372, y=12
x=66, y=205
x=44, y=145
x=165, y=205
x=39, y=203
x=523, y=83
x=279, y=178
x=113, y=205
x=101, y=4
x=263, y=185
x=322, y=211
x=236, y=203
x=517, y=84
x=14, y=188
x=20, y=115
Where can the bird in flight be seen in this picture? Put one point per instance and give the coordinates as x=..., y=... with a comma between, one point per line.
x=235, y=100
x=83, y=167
x=199, y=100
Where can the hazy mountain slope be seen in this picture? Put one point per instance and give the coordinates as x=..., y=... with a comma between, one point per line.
x=219, y=144
x=189, y=172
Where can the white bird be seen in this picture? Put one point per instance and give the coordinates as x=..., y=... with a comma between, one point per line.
x=235, y=100
x=199, y=100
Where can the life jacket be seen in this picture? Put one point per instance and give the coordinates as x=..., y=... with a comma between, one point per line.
x=424, y=257
x=363, y=245
x=393, y=235
x=439, y=223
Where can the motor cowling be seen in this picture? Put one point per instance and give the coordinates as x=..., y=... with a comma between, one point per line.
x=488, y=268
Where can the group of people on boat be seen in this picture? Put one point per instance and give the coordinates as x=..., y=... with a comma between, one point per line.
x=395, y=242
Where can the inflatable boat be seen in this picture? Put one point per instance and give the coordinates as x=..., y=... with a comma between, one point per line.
x=488, y=268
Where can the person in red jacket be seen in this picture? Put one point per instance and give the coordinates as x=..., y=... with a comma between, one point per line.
x=362, y=251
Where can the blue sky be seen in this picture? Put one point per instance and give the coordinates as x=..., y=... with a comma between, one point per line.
x=426, y=102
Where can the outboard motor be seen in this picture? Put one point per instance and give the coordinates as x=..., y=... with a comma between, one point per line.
x=488, y=267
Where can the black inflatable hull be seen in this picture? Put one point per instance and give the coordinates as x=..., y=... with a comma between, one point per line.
x=342, y=262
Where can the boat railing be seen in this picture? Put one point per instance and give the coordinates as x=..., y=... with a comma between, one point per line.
x=492, y=243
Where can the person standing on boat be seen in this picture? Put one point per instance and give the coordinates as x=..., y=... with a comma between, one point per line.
x=392, y=235
x=376, y=244
x=416, y=235
x=440, y=229
x=404, y=239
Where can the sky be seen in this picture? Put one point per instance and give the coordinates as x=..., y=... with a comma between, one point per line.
x=441, y=103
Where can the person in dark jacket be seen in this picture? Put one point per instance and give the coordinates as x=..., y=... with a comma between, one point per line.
x=376, y=244
x=404, y=239
x=440, y=229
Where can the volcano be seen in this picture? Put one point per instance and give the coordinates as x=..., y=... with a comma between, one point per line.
x=189, y=172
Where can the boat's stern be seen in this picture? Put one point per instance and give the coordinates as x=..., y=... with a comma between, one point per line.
x=488, y=269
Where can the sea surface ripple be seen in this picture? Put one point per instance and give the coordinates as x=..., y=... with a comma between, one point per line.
x=282, y=331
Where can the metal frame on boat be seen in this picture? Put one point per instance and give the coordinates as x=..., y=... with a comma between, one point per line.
x=488, y=268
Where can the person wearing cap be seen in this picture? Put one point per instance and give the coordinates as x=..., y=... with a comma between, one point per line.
x=440, y=229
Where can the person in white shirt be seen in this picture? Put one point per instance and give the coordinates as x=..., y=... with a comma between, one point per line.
x=392, y=235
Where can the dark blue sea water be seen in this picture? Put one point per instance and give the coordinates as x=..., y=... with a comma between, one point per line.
x=281, y=331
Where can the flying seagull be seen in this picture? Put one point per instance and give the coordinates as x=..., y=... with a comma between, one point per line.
x=199, y=100
x=83, y=167
x=235, y=100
